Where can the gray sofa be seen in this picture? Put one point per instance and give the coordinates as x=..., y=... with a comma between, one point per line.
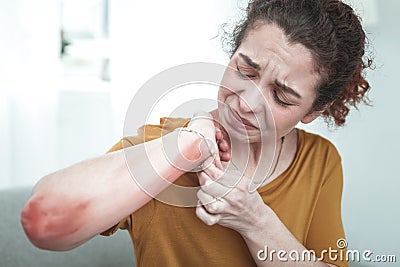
x=17, y=251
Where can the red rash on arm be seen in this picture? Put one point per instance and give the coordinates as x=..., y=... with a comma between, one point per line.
x=50, y=222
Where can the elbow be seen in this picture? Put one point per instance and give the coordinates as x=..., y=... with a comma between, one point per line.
x=35, y=220
x=46, y=226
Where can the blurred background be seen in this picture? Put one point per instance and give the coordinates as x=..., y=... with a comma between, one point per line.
x=70, y=68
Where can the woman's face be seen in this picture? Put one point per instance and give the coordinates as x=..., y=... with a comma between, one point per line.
x=267, y=77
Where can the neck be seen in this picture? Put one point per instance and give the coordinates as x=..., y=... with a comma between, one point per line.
x=254, y=159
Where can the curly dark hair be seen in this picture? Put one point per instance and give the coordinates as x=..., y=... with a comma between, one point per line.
x=333, y=33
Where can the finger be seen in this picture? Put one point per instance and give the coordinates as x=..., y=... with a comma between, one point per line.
x=225, y=156
x=213, y=172
x=226, y=178
x=207, y=218
x=200, y=176
x=204, y=179
x=211, y=189
x=223, y=145
x=217, y=162
x=216, y=207
x=210, y=161
x=223, y=150
x=205, y=198
x=218, y=134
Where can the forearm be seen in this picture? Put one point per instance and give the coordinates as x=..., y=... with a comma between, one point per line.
x=72, y=205
x=271, y=244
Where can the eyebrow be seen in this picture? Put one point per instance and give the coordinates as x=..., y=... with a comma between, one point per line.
x=287, y=89
x=249, y=61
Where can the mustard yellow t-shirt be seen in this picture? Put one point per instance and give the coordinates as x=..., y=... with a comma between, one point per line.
x=306, y=198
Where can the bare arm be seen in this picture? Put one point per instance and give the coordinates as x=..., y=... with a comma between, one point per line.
x=72, y=205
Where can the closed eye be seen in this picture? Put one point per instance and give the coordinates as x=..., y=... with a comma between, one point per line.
x=280, y=101
x=243, y=75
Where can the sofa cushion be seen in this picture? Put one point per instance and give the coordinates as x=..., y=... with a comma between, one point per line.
x=16, y=250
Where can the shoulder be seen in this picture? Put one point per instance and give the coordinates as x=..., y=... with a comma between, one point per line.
x=150, y=132
x=317, y=145
x=319, y=158
x=318, y=154
x=167, y=124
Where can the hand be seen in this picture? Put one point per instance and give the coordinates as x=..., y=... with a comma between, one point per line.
x=204, y=123
x=225, y=198
x=202, y=139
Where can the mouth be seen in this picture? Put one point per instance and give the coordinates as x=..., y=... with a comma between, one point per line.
x=245, y=122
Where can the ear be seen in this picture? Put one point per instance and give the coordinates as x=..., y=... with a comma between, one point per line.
x=311, y=116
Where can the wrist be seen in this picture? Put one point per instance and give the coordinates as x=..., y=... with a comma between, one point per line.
x=188, y=150
x=259, y=225
x=189, y=146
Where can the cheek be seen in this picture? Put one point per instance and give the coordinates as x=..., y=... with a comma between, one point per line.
x=285, y=121
x=224, y=93
x=230, y=81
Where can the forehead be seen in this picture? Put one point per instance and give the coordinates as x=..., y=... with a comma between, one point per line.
x=267, y=45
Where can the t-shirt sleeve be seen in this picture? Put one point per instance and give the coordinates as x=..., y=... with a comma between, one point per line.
x=326, y=229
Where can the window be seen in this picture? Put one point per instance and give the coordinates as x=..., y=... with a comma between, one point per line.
x=84, y=39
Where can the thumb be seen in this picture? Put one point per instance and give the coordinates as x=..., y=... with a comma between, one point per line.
x=217, y=162
x=203, y=178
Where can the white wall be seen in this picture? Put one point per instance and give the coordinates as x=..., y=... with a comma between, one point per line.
x=147, y=38
x=29, y=70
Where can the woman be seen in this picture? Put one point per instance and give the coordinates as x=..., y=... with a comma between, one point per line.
x=306, y=59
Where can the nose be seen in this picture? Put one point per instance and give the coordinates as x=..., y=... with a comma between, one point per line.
x=244, y=105
x=251, y=100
